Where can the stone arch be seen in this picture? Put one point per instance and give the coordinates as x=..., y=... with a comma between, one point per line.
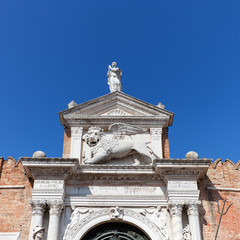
x=115, y=229
x=130, y=217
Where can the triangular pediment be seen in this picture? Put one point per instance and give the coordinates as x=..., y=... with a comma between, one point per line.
x=116, y=104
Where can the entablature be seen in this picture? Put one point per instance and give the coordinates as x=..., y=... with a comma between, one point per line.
x=40, y=168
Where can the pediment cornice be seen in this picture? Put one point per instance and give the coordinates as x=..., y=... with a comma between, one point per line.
x=117, y=106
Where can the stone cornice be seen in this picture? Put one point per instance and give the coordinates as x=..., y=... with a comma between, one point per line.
x=144, y=122
x=92, y=111
x=122, y=173
x=120, y=178
x=52, y=167
x=182, y=168
x=116, y=169
x=115, y=97
x=140, y=201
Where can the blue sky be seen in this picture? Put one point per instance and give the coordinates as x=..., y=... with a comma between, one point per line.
x=185, y=54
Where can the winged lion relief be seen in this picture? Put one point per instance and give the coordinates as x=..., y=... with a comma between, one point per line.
x=121, y=144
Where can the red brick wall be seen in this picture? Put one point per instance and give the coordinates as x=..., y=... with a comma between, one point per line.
x=221, y=175
x=165, y=143
x=66, y=144
x=15, y=210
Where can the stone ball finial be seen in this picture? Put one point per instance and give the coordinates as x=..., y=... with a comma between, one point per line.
x=191, y=155
x=39, y=154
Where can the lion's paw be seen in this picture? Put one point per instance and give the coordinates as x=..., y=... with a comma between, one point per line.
x=86, y=161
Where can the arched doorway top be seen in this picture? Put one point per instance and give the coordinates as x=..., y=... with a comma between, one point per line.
x=80, y=229
x=115, y=230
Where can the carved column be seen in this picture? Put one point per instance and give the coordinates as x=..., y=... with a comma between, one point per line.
x=38, y=208
x=54, y=218
x=156, y=140
x=193, y=218
x=176, y=217
x=76, y=142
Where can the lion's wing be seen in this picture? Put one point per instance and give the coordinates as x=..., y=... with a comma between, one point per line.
x=124, y=129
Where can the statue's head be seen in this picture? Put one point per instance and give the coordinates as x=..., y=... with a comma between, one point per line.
x=93, y=136
x=114, y=64
x=38, y=233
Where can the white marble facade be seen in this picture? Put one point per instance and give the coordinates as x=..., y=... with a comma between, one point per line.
x=123, y=179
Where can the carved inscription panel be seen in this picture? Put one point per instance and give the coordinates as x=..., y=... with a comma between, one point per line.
x=48, y=184
x=115, y=190
x=182, y=185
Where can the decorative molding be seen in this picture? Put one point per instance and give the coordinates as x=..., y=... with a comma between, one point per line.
x=73, y=118
x=100, y=108
x=112, y=201
x=116, y=112
x=117, y=177
x=160, y=219
x=184, y=202
x=72, y=234
x=143, y=219
x=49, y=194
x=77, y=215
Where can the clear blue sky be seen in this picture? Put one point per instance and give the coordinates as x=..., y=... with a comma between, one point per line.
x=185, y=54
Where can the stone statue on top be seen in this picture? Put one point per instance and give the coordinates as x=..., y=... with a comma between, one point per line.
x=114, y=78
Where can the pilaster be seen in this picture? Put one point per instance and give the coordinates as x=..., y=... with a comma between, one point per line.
x=76, y=142
x=156, y=140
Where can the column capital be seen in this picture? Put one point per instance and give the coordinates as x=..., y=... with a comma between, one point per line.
x=156, y=131
x=175, y=209
x=193, y=208
x=76, y=130
x=38, y=206
x=55, y=206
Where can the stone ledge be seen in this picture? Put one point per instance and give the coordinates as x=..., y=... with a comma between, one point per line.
x=49, y=162
x=36, y=167
x=116, y=169
x=12, y=186
x=224, y=189
x=9, y=235
x=182, y=168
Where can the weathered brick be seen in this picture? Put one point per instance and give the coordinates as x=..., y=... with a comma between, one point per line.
x=66, y=143
x=222, y=175
x=15, y=210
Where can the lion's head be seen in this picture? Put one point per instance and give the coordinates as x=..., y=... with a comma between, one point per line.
x=93, y=136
